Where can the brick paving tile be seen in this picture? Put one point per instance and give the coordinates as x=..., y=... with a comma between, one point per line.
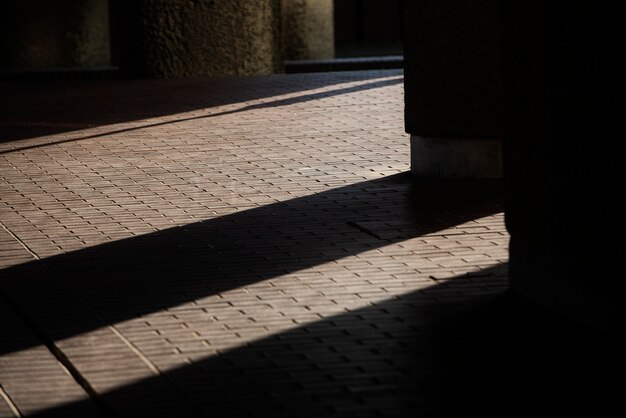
x=33, y=380
x=246, y=247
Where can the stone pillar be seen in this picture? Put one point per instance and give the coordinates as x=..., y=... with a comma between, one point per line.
x=42, y=34
x=453, y=87
x=188, y=38
x=563, y=69
x=308, y=29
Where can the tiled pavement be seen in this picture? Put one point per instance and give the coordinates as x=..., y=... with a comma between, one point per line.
x=240, y=247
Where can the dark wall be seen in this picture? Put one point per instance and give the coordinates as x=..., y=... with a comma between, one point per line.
x=368, y=27
x=546, y=76
x=452, y=60
x=563, y=74
x=146, y=38
x=40, y=34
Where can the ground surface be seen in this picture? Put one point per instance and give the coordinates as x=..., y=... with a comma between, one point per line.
x=248, y=247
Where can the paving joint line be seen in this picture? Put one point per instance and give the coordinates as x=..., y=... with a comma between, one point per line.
x=58, y=354
x=12, y=406
x=64, y=361
x=22, y=243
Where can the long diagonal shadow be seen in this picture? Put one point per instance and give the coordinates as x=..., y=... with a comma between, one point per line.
x=271, y=104
x=422, y=354
x=382, y=360
x=35, y=110
x=132, y=277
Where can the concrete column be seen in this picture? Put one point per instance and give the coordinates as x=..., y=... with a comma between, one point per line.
x=453, y=87
x=187, y=38
x=562, y=70
x=308, y=29
x=41, y=34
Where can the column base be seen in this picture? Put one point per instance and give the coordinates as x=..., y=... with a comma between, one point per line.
x=456, y=158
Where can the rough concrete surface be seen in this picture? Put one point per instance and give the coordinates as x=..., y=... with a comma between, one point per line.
x=178, y=38
x=308, y=29
x=37, y=34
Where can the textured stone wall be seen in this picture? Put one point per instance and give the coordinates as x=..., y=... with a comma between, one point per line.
x=38, y=34
x=308, y=29
x=148, y=38
x=184, y=38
